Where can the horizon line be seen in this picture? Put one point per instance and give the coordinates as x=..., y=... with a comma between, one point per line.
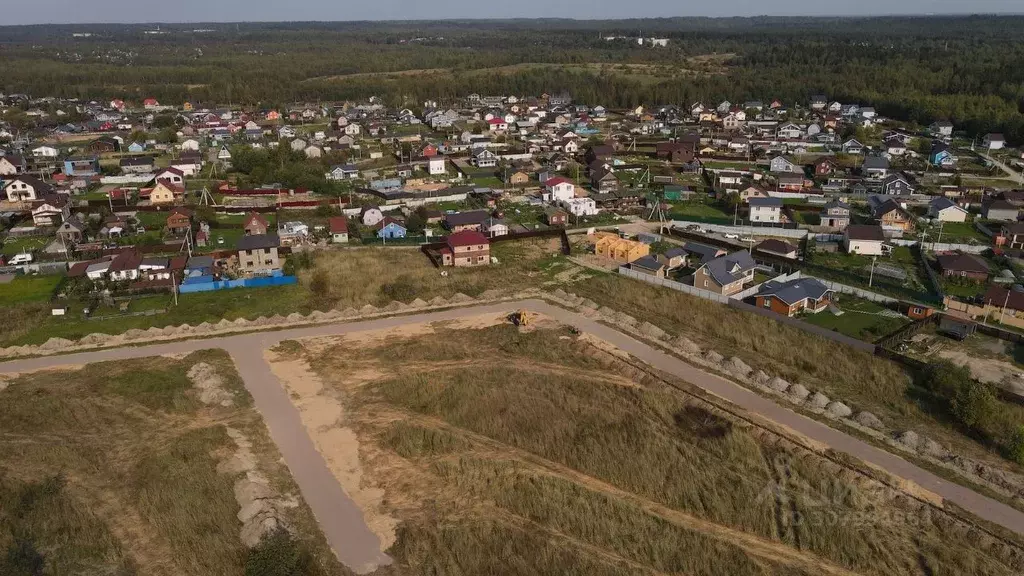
x=531, y=19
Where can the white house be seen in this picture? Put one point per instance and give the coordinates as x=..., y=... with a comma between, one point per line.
x=766, y=210
x=190, y=144
x=45, y=152
x=559, y=189
x=436, y=166
x=372, y=216
x=783, y=165
x=353, y=129
x=494, y=227
x=173, y=175
x=580, y=206
x=313, y=152
x=994, y=141
x=945, y=210
x=790, y=131
x=26, y=188
x=52, y=211
x=864, y=239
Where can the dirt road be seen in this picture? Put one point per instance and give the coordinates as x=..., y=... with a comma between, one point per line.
x=342, y=522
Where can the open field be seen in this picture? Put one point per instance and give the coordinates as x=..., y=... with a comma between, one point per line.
x=133, y=468
x=24, y=289
x=483, y=449
x=867, y=381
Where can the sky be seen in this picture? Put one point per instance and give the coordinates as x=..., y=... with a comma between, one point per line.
x=136, y=11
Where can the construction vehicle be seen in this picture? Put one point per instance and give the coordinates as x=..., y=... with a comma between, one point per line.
x=520, y=318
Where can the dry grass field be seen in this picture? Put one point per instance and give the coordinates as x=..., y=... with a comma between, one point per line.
x=489, y=450
x=119, y=469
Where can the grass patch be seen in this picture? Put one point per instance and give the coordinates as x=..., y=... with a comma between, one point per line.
x=14, y=246
x=861, y=319
x=112, y=469
x=24, y=289
x=536, y=450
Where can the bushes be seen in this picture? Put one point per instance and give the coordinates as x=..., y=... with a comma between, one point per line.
x=278, y=554
x=975, y=407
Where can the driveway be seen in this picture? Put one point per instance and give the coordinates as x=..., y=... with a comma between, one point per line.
x=341, y=520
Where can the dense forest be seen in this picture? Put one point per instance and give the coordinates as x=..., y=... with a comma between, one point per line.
x=965, y=69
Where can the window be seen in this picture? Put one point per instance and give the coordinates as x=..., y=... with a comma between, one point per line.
x=767, y=302
x=705, y=282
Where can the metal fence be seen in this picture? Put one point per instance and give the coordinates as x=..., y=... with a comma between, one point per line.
x=744, y=230
x=673, y=285
x=859, y=292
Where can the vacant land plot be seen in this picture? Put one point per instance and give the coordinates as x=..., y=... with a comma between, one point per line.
x=28, y=289
x=489, y=450
x=134, y=467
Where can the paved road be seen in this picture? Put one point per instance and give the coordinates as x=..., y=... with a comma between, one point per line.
x=342, y=522
x=1011, y=174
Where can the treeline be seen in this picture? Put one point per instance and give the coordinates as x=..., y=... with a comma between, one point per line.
x=966, y=70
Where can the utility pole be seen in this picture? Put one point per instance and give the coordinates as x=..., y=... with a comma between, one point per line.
x=871, y=277
x=1005, y=302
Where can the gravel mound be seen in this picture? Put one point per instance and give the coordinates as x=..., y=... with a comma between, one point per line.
x=56, y=344
x=780, y=385
x=798, y=392
x=210, y=385
x=588, y=303
x=818, y=400
x=392, y=307
x=460, y=298
x=737, y=367
x=713, y=357
x=560, y=294
x=368, y=309
x=909, y=439
x=606, y=311
x=418, y=303
x=685, y=345
x=932, y=448
x=93, y=339
x=626, y=319
x=869, y=420
x=652, y=331
x=762, y=378
x=438, y=301
x=838, y=410
x=491, y=294
x=295, y=317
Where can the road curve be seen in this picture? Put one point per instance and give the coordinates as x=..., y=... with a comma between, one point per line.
x=352, y=541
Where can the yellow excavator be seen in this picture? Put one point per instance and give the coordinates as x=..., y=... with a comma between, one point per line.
x=520, y=318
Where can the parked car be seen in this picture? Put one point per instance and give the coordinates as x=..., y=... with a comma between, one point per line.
x=732, y=236
x=20, y=259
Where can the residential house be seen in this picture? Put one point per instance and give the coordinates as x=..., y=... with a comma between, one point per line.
x=941, y=128
x=994, y=141
x=81, y=166
x=172, y=175
x=835, y=215
x=875, y=167
x=338, y=226
x=125, y=266
x=790, y=131
x=493, y=227
x=957, y=264
x=896, y=185
x=390, y=228
x=673, y=258
x=371, y=216
x=941, y=155
x=436, y=166
x=603, y=180
x=766, y=210
x=470, y=220
x=103, y=145
x=137, y=165
x=343, y=172
x=558, y=189
x=1012, y=236
x=165, y=193
x=725, y=275
x=891, y=216
x=45, y=152
x=255, y=224
x=258, y=254
x=783, y=165
x=584, y=206
x=751, y=192
x=26, y=188
x=795, y=296
x=777, y=248
x=791, y=182
x=71, y=231
x=518, y=178
x=484, y=158
x=619, y=249
x=466, y=248
x=649, y=265
x=824, y=166
x=51, y=210
x=864, y=239
x=179, y=221
x=1001, y=210
x=853, y=146
x=945, y=210
x=555, y=216
x=12, y=165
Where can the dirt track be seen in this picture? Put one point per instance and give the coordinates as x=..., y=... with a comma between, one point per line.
x=342, y=522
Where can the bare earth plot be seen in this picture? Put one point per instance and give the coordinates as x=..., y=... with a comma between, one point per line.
x=473, y=447
x=152, y=466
